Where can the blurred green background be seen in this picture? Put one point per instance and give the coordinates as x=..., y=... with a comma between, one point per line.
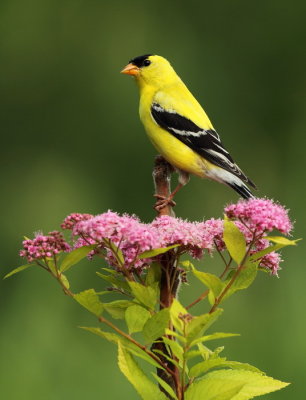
x=72, y=142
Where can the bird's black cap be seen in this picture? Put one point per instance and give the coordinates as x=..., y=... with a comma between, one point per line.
x=139, y=61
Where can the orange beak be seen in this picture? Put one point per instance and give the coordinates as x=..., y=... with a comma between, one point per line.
x=130, y=69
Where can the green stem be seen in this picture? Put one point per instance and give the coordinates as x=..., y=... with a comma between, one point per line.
x=205, y=294
x=124, y=271
x=234, y=277
x=43, y=266
x=219, y=252
x=226, y=268
x=139, y=345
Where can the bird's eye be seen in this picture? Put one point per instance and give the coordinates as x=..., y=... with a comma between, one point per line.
x=146, y=63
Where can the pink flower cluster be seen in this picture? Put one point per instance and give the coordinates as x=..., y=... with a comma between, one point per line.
x=44, y=246
x=271, y=261
x=193, y=236
x=132, y=237
x=257, y=217
x=74, y=218
x=263, y=215
x=127, y=232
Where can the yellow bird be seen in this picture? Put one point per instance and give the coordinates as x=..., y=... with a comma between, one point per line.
x=179, y=128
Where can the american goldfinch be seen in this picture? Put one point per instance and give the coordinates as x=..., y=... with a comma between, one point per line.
x=179, y=128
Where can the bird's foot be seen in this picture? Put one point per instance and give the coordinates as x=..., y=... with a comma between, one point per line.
x=163, y=202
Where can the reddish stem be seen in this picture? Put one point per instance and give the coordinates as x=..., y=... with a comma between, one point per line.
x=162, y=182
x=169, y=277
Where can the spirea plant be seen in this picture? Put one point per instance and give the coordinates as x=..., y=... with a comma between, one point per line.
x=145, y=264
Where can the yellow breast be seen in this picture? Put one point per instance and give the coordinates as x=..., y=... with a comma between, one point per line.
x=172, y=149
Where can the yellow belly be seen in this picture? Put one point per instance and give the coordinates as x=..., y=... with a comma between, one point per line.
x=174, y=151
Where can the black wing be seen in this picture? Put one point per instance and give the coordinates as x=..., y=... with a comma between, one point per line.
x=206, y=143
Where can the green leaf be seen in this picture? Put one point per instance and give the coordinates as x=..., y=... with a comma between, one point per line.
x=103, y=292
x=193, y=353
x=244, y=279
x=220, y=362
x=282, y=240
x=144, y=294
x=51, y=265
x=155, y=326
x=181, y=338
x=280, y=243
x=165, y=386
x=175, y=347
x=232, y=385
x=18, y=269
x=167, y=357
x=143, y=385
x=116, y=282
x=117, y=308
x=244, y=366
x=216, y=352
x=65, y=281
x=200, y=324
x=111, y=337
x=153, y=274
x=213, y=336
x=211, y=281
x=211, y=298
x=205, y=352
x=136, y=351
x=90, y=300
x=212, y=391
x=234, y=241
x=75, y=256
x=110, y=271
x=187, y=265
x=156, y=252
x=176, y=310
x=204, y=366
x=262, y=253
x=156, y=290
x=135, y=317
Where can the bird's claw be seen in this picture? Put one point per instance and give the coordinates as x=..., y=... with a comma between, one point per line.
x=163, y=202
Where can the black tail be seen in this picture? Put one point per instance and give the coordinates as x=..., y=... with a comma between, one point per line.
x=242, y=189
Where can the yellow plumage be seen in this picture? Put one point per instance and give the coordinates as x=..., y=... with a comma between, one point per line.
x=172, y=149
x=178, y=126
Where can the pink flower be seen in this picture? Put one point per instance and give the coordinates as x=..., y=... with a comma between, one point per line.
x=105, y=225
x=271, y=261
x=127, y=232
x=193, y=236
x=176, y=231
x=261, y=214
x=72, y=219
x=44, y=246
x=118, y=229
x=213, y=231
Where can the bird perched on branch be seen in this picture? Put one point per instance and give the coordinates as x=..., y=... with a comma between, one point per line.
x=180, y=129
